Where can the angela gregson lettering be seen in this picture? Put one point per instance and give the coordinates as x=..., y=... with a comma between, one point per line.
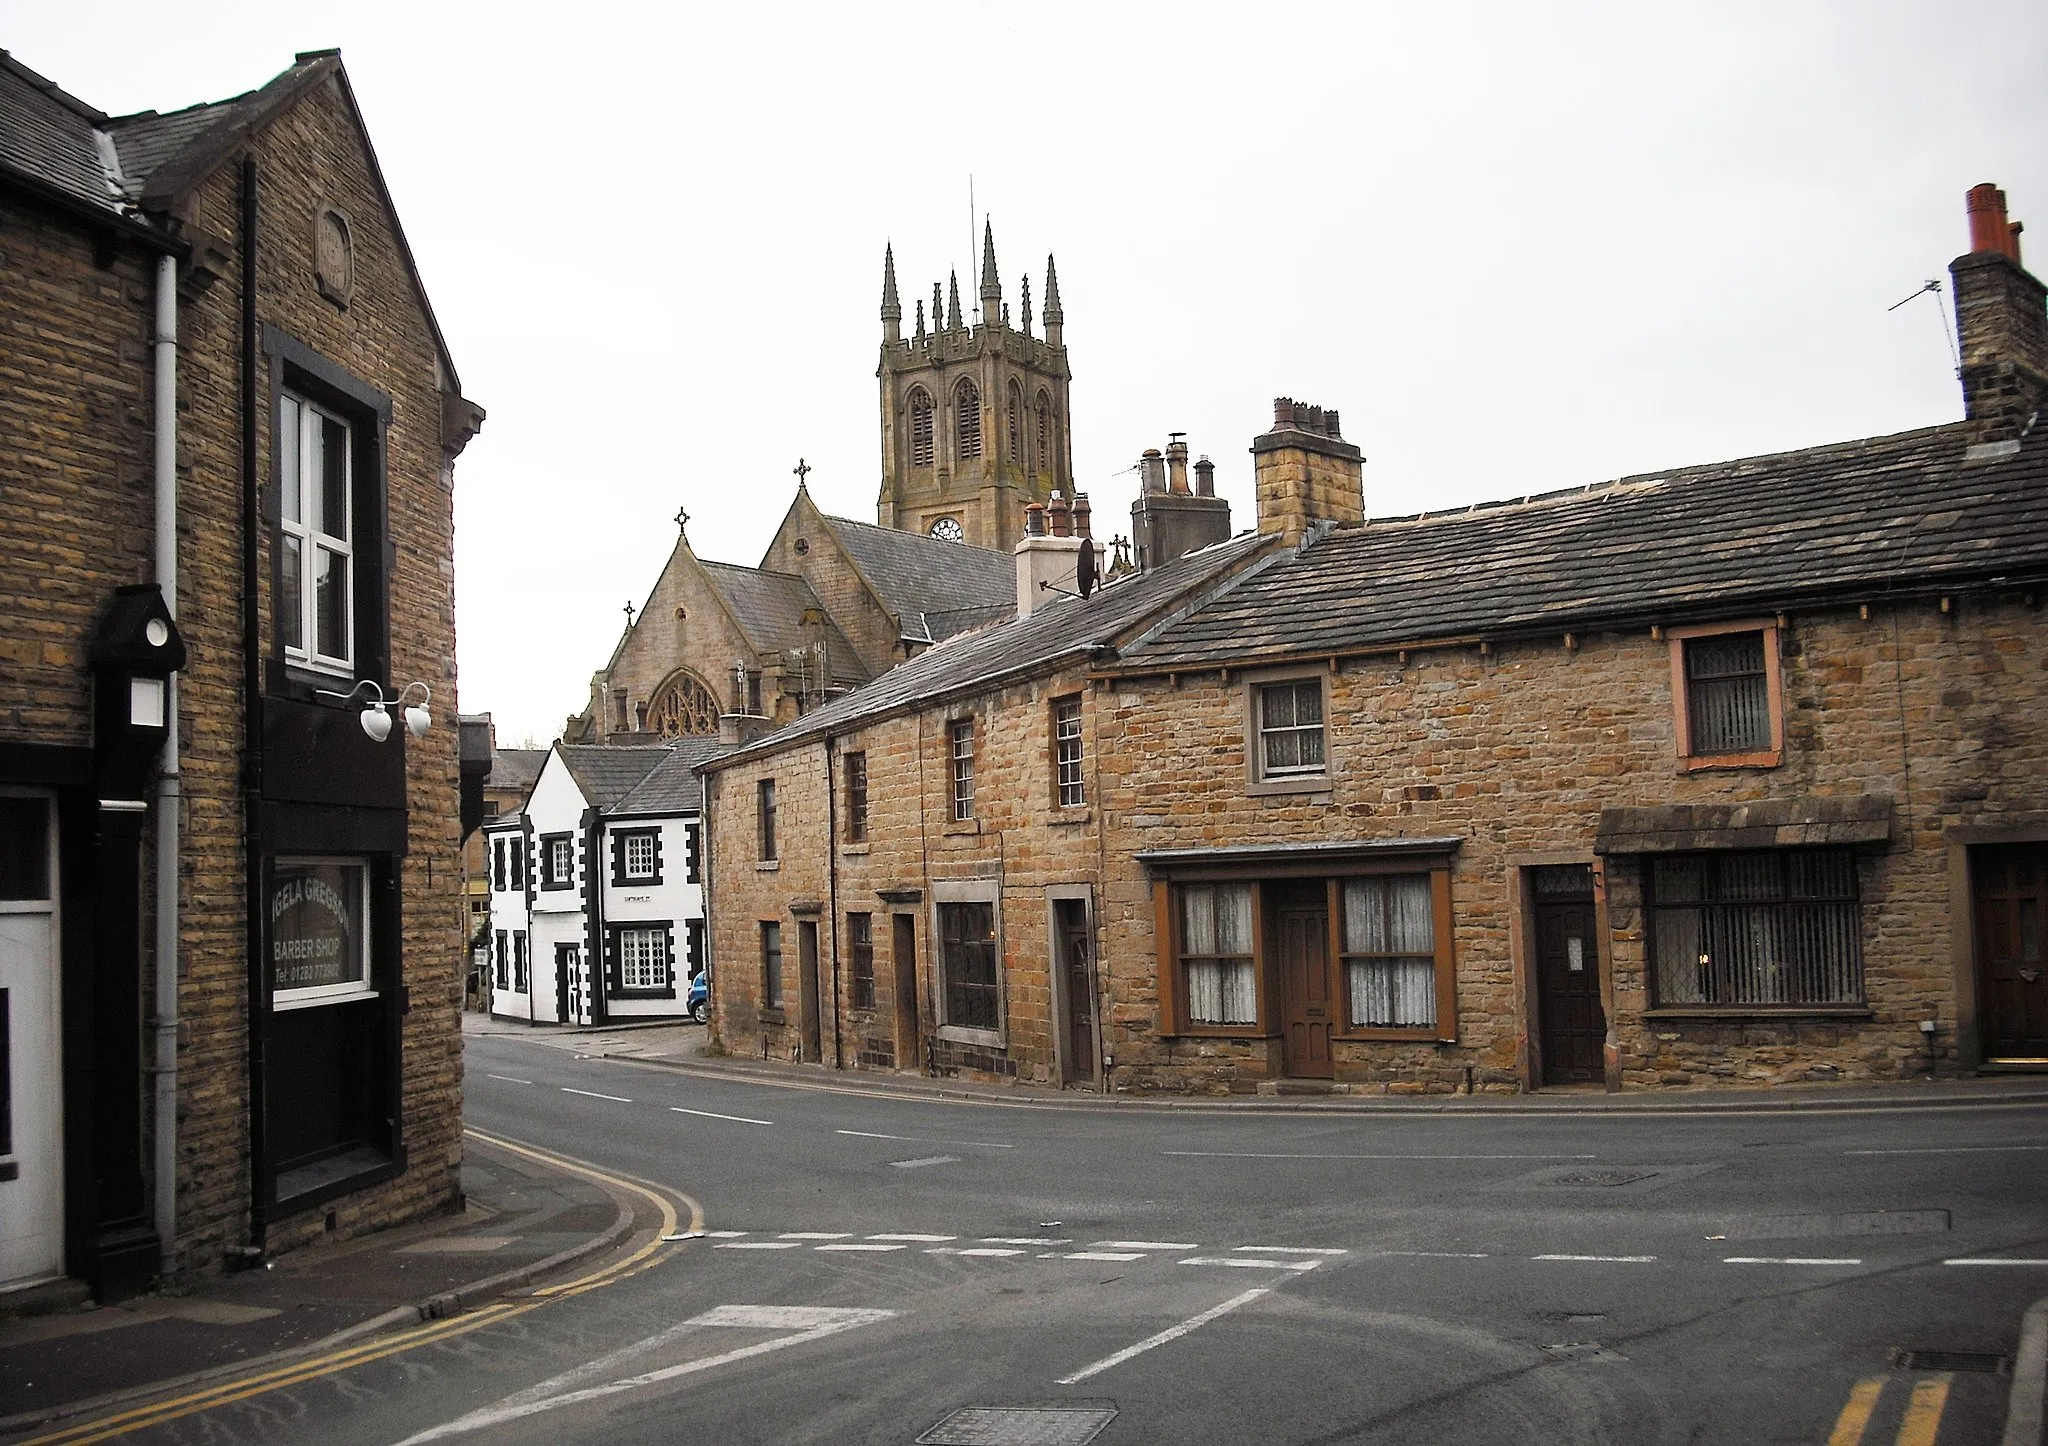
x=315, y=923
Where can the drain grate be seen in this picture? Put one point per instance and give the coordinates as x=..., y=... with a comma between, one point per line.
x=1989, y=1363
x=1608, y=1178
x=1020, y=1426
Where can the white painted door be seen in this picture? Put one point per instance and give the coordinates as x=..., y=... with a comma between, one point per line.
x=31, y=1098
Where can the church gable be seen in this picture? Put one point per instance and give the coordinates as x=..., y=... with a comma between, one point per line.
x=675, y=669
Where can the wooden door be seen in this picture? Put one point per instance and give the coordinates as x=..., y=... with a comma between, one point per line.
x=1301, y=930
x=2010, y=882
x=812, y=1037
x=903, y=955
x=1070, y=928
x=1572, y=1024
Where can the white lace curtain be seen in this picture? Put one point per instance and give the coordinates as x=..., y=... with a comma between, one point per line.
x=1216, y=919
x=1392, y=921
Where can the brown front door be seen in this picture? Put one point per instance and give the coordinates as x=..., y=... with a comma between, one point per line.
x=807, y=990
x=903, y=953
x=1572, y=1025
x=1302, y=929
x=1070, y=926
x=2011, y=886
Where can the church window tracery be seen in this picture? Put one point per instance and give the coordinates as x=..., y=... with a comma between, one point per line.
x=683, y=707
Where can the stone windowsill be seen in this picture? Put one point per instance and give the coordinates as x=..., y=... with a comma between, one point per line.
x=767, y=866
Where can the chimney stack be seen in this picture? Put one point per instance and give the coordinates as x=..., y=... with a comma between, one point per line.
x=2001, y=319
x=1305, y=472
x=1177, y=463
x=1169, y=521
x=1048, y=555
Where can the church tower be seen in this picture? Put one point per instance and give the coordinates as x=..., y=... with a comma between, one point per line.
x=974, y=412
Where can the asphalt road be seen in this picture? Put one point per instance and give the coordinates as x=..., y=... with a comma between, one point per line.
x=895, y=1270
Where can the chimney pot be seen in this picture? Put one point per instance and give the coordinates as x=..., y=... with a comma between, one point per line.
x=1283, y=412
x=1205, y=478
x=1989, y=228
x=1034, y=519
x=1152, y=471
x=1080, y=515
x=1057, y=514
x=1177, y=463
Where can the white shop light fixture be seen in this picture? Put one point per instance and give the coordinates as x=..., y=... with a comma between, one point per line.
x=377, y=713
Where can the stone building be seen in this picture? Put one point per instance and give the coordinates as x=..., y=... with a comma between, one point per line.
x=229, y=783
x=1731, y=774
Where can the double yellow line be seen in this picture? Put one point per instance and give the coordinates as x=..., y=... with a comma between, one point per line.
x=141, y=1418
x=1922, y=1419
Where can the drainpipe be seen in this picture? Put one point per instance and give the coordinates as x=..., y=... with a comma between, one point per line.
x=260, y=1184
x=167, y=804
x=832, y=895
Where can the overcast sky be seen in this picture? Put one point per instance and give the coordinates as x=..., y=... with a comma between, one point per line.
x=1519, y=246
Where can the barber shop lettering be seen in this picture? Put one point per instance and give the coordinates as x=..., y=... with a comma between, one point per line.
x=315, y=927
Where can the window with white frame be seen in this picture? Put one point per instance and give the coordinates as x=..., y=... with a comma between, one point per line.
x=557, y=861
x=1066, y=744
x=319, y=931
x=639, y=857
x=1216, y=954
x=316, y=596
x=643, y=958
x=961, y=736
x=1290, y=728
x=1390, y=951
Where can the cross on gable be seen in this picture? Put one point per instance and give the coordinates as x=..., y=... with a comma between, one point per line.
x=802, y=470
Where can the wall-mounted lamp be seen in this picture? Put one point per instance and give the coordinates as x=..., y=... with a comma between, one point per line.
x=376, y=714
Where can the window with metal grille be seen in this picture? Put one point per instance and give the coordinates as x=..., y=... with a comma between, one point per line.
x=961, y=734
x=1216, y=954
x=920, y=428
x=967, y=957
x=1773, y=928
x=967, y=419
x=1014, y=410
x=771, y=964
x=1290, y=729
x=1066, y=744
x=856, y=798
x=765, y=817
x=643, y=958
x=860, y=948
x=1727, y=693
x=1390, y=951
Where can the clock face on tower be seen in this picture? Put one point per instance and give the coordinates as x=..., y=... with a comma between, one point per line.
x=947, y=529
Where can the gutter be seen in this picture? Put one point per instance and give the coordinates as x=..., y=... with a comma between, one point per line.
x=168, y=801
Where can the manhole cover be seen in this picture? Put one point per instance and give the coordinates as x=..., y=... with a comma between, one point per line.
x=1020, y=1426
x=1603, y=1177
x=1989, y=1363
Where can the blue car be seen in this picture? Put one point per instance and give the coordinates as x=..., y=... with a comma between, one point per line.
x=698, y=999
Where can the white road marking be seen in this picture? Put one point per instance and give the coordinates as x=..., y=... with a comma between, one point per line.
x=1173, y=1333
x=1319, y=1155
x=1252, y=1262
x=920, y=1139
x=917, y=1239
x=1601, y=1259
x=1146, y=1245
x=867, y=1247
x=1441, y=1254
x=1294, y=1249
x=1787, y=1260
x=1027, y=1240
x=594, y=1095
x=927, y=1160
x=808, y=1324
x=1955, y=1150
x=1992, y=1260
x=727, y=1234
x=1093, y=1255
x=711, y=1115
x=987, y=1250
x=815, y=1235
x=508, y=1079
x=758, y=1245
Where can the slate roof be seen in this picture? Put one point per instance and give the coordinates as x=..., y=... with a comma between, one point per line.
x=1924, y=509
x=918, y=575
x=1054, y=634
x=673, y=786
x=607, y=772
x=516, y=768
x=769, y=607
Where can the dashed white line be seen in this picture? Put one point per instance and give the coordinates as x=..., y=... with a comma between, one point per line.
x=1172, y=1333
x=1788, y=1260
x=1955, y=1150
x=1147, y=1245
x=1251, y=1262
x=1992, y=1260
x=1441, y=1254
x=998, y=1252
x=1319, y=1155
x=917, y=1239
x=1601, y=1259
x=727, y=1234
x=815, y=1235
x=920, y=1139
x=594, y=1095
x=1027, y=1240
x=508, y=1079
x=758, y=1245
x=1293, y=1249
x=712, y=1115
x=867, y=1247
x=927, y=1160
x=1094, y=1255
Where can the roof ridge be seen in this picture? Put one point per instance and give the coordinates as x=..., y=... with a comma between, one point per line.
x=54, y=91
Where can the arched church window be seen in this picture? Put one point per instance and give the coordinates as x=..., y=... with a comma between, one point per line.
x=682, y=707
x=1041, y=443
x=920, y=428
x=948, y=529
x=967, y=412
x=1015, y=410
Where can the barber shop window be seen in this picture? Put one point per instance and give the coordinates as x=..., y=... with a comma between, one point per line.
x=319, y=932
x=1771, y=929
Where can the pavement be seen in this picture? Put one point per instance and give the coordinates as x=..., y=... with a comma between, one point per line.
x=524, y=1219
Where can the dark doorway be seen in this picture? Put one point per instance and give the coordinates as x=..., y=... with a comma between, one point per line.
x=1077, y=966
x=2010, y=882
x=565, y=979
x=903, y=952
x=807, y=989
x=1571, y=1021
x=1301, y=927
